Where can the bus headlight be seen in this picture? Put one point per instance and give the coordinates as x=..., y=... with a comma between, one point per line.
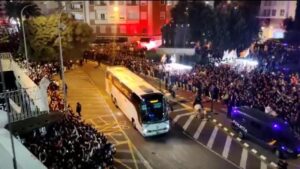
x=167, y=127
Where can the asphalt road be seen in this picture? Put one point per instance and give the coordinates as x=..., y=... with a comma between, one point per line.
x=175, y=150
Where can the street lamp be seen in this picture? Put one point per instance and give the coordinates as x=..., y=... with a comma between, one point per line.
x=24, y=36
x=60, y=28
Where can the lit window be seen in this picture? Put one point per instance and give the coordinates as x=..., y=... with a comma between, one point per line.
x=282, y=12
x=76, y=6
x=274, y=12
x=78, y=16
x=143, y=15
x=123, y=29
x=163, y=15
x=102, y=29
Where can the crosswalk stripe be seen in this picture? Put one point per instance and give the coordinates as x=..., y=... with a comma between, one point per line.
x=263, y=165
x=181, y=115
x=212, y=137
x=199, y=130
x=244, y=157
x=188, y=122
x=227, y=147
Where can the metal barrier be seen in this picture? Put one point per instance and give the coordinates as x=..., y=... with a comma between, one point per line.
x=19, y=105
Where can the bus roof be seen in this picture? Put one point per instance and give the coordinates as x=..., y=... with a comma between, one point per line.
x=135, y=83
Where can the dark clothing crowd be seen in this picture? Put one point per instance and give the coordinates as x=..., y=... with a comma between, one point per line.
x=70, y=143
x=275, y=93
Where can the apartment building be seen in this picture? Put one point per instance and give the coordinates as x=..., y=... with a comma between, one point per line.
x=272, y=15
x=132, y=19
x=3, y=18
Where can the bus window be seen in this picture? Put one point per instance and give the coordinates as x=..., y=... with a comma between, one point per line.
x=152, y=109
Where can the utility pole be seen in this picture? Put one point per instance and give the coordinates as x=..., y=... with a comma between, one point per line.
x=24, y=36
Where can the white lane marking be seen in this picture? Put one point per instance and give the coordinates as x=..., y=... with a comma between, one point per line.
x=181, y=115
x=274, y=164
x=263, y=165
x=246, y=145
x=123, y=151
x=129, y=161
x=145, y=162
x=244, y=158
x=188, y=122
x=199, y=130
x=180, y=109
x=227, y=147
x=212, y=137
x=253, y=151
x=263, y=157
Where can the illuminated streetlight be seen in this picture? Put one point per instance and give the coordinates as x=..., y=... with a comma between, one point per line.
x=116, y=9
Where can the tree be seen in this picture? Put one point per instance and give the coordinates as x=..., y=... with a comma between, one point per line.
x=44, y=42
x=229, y=25
x=288, y=23
x=13, y=10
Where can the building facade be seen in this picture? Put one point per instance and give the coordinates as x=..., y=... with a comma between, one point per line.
x=133, y=19
x=272, y=15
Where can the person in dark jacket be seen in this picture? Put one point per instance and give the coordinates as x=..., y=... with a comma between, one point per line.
x=78, y=109
x=282, y=164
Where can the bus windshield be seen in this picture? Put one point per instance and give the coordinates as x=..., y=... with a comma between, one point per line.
x=153, y=108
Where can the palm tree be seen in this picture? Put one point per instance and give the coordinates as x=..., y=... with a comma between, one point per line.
x=13, y=10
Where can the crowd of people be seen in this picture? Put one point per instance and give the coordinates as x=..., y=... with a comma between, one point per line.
x=37, y=72
x=70, y=143
x=276, y=93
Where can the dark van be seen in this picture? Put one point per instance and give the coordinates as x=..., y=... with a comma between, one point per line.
x=266, y=130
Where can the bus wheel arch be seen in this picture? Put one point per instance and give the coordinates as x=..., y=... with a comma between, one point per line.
x=133, y=123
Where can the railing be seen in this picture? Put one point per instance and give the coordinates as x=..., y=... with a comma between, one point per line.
x=19, y=105
x=28, y=101
x=36, y=93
